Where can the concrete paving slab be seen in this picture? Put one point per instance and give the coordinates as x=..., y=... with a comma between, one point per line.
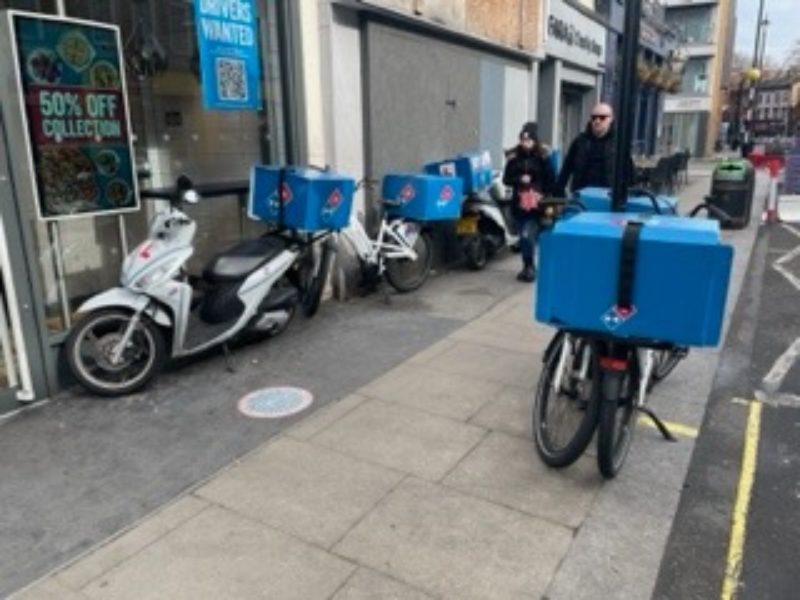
x=92, y=566
x=520, y=313
x=49, y=590
x=366, y=584
x=507, y=471
x=455, y=396
x=619, y=545
x=301, y=489
x=524, y=338
x=312, y=425
x=440, y=347
x=509, y=412
x=457, y=546
x=490, y=364
x=402, y=438
x=222, y=555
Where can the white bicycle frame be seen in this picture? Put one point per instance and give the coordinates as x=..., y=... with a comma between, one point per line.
x=393, y=241
x=646, y=357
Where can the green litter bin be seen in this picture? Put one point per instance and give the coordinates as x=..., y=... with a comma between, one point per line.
x=732, y=188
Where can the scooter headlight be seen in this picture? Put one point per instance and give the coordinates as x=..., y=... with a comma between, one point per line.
x=153, y=277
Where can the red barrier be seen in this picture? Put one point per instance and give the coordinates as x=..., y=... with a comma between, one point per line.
x=760, y=161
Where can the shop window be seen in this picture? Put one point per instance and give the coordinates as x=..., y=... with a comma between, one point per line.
x=173, y=135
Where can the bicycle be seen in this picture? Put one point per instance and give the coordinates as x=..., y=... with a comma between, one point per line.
x=402, y=251
x=591, y=382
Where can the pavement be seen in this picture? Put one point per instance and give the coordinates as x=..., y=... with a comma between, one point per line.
x=412, y=476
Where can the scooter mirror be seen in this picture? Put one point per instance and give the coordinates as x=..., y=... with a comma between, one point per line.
x=190, y=197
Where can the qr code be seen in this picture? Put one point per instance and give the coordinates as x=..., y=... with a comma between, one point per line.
x=232, y=79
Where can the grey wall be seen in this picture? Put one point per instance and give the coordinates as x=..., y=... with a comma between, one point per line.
x=424, y=99
x=549, y=97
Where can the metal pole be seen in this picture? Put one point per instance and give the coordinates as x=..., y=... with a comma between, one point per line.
x=123, y=236
x=25, y=393
x=61, y=9
x=55, y=241
x=749, y=116
x=627, y=91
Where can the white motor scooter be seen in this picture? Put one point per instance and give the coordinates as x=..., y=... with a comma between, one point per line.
x=486, y=224
x=120, y=343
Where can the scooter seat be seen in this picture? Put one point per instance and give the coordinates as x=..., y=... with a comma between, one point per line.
x=241, y=260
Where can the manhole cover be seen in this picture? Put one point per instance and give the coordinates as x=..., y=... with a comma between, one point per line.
x=275, y=403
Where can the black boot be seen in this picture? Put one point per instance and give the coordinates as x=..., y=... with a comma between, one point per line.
x=528, y=273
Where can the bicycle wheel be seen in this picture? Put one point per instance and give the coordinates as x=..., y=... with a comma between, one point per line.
x=616, y=421
x=564, y=419
x=407, y=275
x=666, y=361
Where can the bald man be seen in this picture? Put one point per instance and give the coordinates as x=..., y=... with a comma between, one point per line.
x=590, y=160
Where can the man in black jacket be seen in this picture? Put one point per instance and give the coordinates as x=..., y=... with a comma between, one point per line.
x=591, y=157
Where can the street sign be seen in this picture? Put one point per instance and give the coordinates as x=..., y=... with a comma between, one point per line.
x=227, y=35
x=74, y=103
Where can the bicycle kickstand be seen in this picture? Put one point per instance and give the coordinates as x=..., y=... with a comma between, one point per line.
x=228, y=360
x=659, y=424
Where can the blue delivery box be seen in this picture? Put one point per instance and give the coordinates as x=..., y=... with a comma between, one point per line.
x=422, y=197
x=679, y=283
x=473, y=168
x=312, y=200
x=597, y=199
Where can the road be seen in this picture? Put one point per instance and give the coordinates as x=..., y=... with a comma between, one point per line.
x=757, y=551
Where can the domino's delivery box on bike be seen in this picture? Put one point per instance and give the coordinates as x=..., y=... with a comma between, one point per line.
x=421, y=197
x=644, y=278
x=473, y=168
x=312, y=200
x=597, y=199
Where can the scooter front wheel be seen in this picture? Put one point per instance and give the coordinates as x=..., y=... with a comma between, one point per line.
x=91, y=346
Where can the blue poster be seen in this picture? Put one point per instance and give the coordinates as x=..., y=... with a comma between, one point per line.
x=227, y=35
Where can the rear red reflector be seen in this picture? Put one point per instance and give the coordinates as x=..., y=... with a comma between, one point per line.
x=614, y=364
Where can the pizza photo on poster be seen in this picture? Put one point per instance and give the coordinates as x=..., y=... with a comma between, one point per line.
x=78, y=128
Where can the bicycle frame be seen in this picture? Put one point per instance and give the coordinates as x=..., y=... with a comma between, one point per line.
x=392, y=242
x=645, y=356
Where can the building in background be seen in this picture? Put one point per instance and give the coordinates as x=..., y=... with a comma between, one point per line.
x=571, y=76
x=693, y=116
x=776, y=106
x=657, y=68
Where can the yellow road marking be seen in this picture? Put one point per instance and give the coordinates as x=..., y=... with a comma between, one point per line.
x=733, y=564
x=679, y=428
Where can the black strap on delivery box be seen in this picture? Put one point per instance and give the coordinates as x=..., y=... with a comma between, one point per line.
x=627, y=264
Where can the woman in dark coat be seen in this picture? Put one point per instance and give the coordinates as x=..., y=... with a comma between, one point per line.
x=530, y=175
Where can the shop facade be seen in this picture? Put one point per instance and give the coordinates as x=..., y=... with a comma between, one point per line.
x=571, y=76
x=402, y=85
x=51, y=266
x=363, y=87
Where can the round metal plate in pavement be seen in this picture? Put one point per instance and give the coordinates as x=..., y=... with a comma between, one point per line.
x=275, y=403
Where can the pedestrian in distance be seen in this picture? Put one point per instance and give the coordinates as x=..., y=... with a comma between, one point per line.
x=591, y=156
x=530, y=175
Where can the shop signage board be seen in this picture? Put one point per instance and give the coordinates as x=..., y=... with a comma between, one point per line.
x=227, y=35
x=574, y=37
x=71, y=82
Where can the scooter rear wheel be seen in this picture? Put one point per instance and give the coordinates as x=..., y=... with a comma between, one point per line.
x=476, y=253
x=92, y=342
